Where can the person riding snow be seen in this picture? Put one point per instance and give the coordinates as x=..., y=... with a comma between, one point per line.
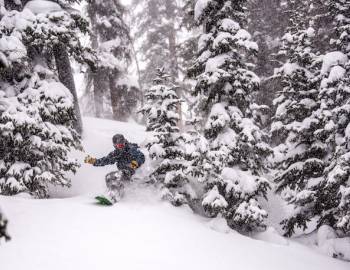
x=128, y=159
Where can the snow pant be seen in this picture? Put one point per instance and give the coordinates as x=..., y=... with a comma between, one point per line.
x=115, y=183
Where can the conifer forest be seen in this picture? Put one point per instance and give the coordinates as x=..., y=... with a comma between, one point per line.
x=174, y=134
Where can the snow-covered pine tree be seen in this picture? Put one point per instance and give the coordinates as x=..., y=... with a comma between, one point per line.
x=57, y=40
x=267, y=23
x=165, y=143
x=299, y=154
x=225, y=83
x=3, y=227
x=36, y=111
x=188, y=47
x=111, y=39
x=62, y=61
x=187, y=50
x=334, y=115
x=155, y=21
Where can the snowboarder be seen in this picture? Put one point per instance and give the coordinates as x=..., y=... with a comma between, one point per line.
x=128, y=158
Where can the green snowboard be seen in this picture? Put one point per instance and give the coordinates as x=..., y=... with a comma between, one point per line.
x=103, y=201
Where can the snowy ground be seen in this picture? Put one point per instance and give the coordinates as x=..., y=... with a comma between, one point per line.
x=141, y=232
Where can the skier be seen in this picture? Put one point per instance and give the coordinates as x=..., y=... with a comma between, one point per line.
x=128, y=158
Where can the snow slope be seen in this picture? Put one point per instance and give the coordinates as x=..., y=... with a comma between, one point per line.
x=141, y=232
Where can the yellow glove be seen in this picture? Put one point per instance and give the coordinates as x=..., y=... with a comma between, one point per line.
x=134, y=165
x=90, y=160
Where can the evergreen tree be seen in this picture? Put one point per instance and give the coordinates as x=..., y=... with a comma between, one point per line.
x=187, y=50
x=316, y=177
x=299, y=153
x=165, y=144
x=267, y=22
x=225, y=83
x=334, y=116
x=62, y=61
x=111, y=38
x=156, y=22
x=36, y=111
x=53, y=33
x=188, y=47
x=158, y=26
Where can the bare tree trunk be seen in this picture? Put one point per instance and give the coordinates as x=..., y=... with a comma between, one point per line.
x=117, y=93
x=100, y=80
x=65, y=76
x=138, y=71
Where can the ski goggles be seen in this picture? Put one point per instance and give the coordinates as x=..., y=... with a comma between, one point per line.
x=120, y=145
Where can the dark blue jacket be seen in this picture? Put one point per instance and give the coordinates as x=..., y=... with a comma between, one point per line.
x=122, y=157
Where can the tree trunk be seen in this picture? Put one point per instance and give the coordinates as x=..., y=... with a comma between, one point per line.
x=138, y=71
x=100, y=80
x=65, y=76
x=116, y=96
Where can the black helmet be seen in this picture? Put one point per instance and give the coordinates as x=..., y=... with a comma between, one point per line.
x=119, y=139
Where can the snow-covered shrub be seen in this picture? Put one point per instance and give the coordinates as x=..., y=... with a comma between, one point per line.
x=236, y=146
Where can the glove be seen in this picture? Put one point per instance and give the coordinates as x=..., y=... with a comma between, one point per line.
x=134, y=165
x=90, y=160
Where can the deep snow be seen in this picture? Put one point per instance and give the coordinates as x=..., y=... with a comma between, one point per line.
x=141, y=232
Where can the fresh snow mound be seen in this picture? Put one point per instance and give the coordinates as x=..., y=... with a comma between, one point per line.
x=333, y=59
x=12, y=49
x=42, y=6
x=241, y=181
x=229, y=25
x=55, y=90
x=336, y=73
